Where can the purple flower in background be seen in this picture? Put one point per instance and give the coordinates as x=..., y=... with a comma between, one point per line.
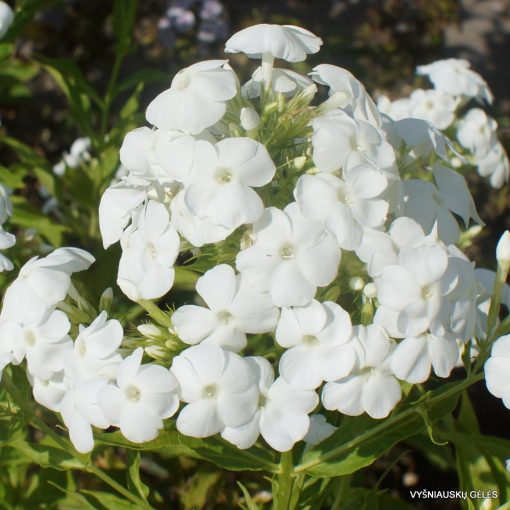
x=205, y=17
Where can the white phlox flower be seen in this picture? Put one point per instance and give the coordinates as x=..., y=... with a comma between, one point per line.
x=50, y=392
x=413, y=358
x=316, y=337
x=416, y=291
x=370, y=387
x=5, y=204
x=495, y=165
x=477, y=132
x=42, y=283
x=219, y=388
x=43, y=342
x=149, y=249
x=435, y=106
x=287, y=42
x=336, y=135
x=145, y=394
x=7, y=240
x=397, y=110
x=196, y=99
x=282, y=415
x=455, y=77
x=234, y=309
x=344, y=206
x=284, y=81
x=95, y=351
x=380, y=249
x=80, y=411
x=347, y=92
x=319, y=430
x=290, y=257
x=496, y=370
x=220, y=188
x=430, y=204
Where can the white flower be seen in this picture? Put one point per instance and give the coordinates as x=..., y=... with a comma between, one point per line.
x=347, y=92
x=149, y=249
x=95, y=350
x=78, y=153
x=503, y=249
x=143, y=397
x=196, y=99
x=80, y=410
x=397, y=110
x=282, y=414
x=431, y=205
x=291, y=256
x=495, y=165
x=234, y=310
x=319, y=430
x=455, y=77
x=477, y=132
x=337, y=135
x=219, y=387
x=7, y=240
x=164, y=155
x=496, y=370
x=435, y=106
x=285, y=81
x=221, y=182
x=42, y=283
x=44, y=342
x=413, y=358
x=371, y=387
x=287, y=42
x=345, y=205
x=50, y=392
x=315, y=337
x=197, y=231
x=6, y=18
x=380, y=249
x=416, y=290
x=5, y=204
x=115, y=208
x=249, y=119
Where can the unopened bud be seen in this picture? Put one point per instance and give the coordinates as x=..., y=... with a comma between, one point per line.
x=105, y=301
x=356, y=283
x=250, y=119
x=503, y=250
x=149, y=330
x=370, y=290
x=299, y=162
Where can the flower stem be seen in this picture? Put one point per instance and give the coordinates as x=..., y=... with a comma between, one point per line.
x=267, y=70
x=285, y=481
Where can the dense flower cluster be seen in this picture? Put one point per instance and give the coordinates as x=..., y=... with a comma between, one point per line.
x=305, y=195
x=448, y=107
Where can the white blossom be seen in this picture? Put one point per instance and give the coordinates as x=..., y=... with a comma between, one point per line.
x=219, y=388
x=291, y=256
x=435, y=106
x=234, y=309
x=316, y=337
x=284, y=81
x=196, y=99
x=282, y=414
x=144, y=396
x=496, y=370
x=477, y=132
x=370, y=387
x=6, y=18
x=495, y=165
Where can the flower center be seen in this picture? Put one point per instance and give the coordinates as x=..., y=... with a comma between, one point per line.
x=427, y=292
x=262, y=400
x=151, y=249
x=210, y=391
x=224, y=317
x=30, y=338
x=287, y=252
x=310, y=340
x=223, y=175
x=132, y=393
x=344, y=196
x=429, y=104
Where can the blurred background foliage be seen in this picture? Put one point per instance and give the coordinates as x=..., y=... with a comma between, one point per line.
x=88, y=68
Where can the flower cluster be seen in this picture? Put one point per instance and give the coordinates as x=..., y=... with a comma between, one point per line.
x=280, y=202
x=448, y=107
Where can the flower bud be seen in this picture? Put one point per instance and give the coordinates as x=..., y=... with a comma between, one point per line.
x=503, y=250
x=250, y=119
x=6, y=18
x=299, y=162
x=149, y=330
x=105, y=301
x=356, y=283
x=370, y=290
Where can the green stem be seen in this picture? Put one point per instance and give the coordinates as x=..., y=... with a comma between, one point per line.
x=156, y=313
x=109, y=96
x=342, y=492
x=285, y=481
x=389, y=423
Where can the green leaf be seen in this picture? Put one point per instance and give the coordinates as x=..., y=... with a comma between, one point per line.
x=199, y=489
x=77, y=90
x=5, y=50
x=170, y=443
x=250, y=504
x=108, y=501
x=135, y=483
x=124, y=15
x=13, y=177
